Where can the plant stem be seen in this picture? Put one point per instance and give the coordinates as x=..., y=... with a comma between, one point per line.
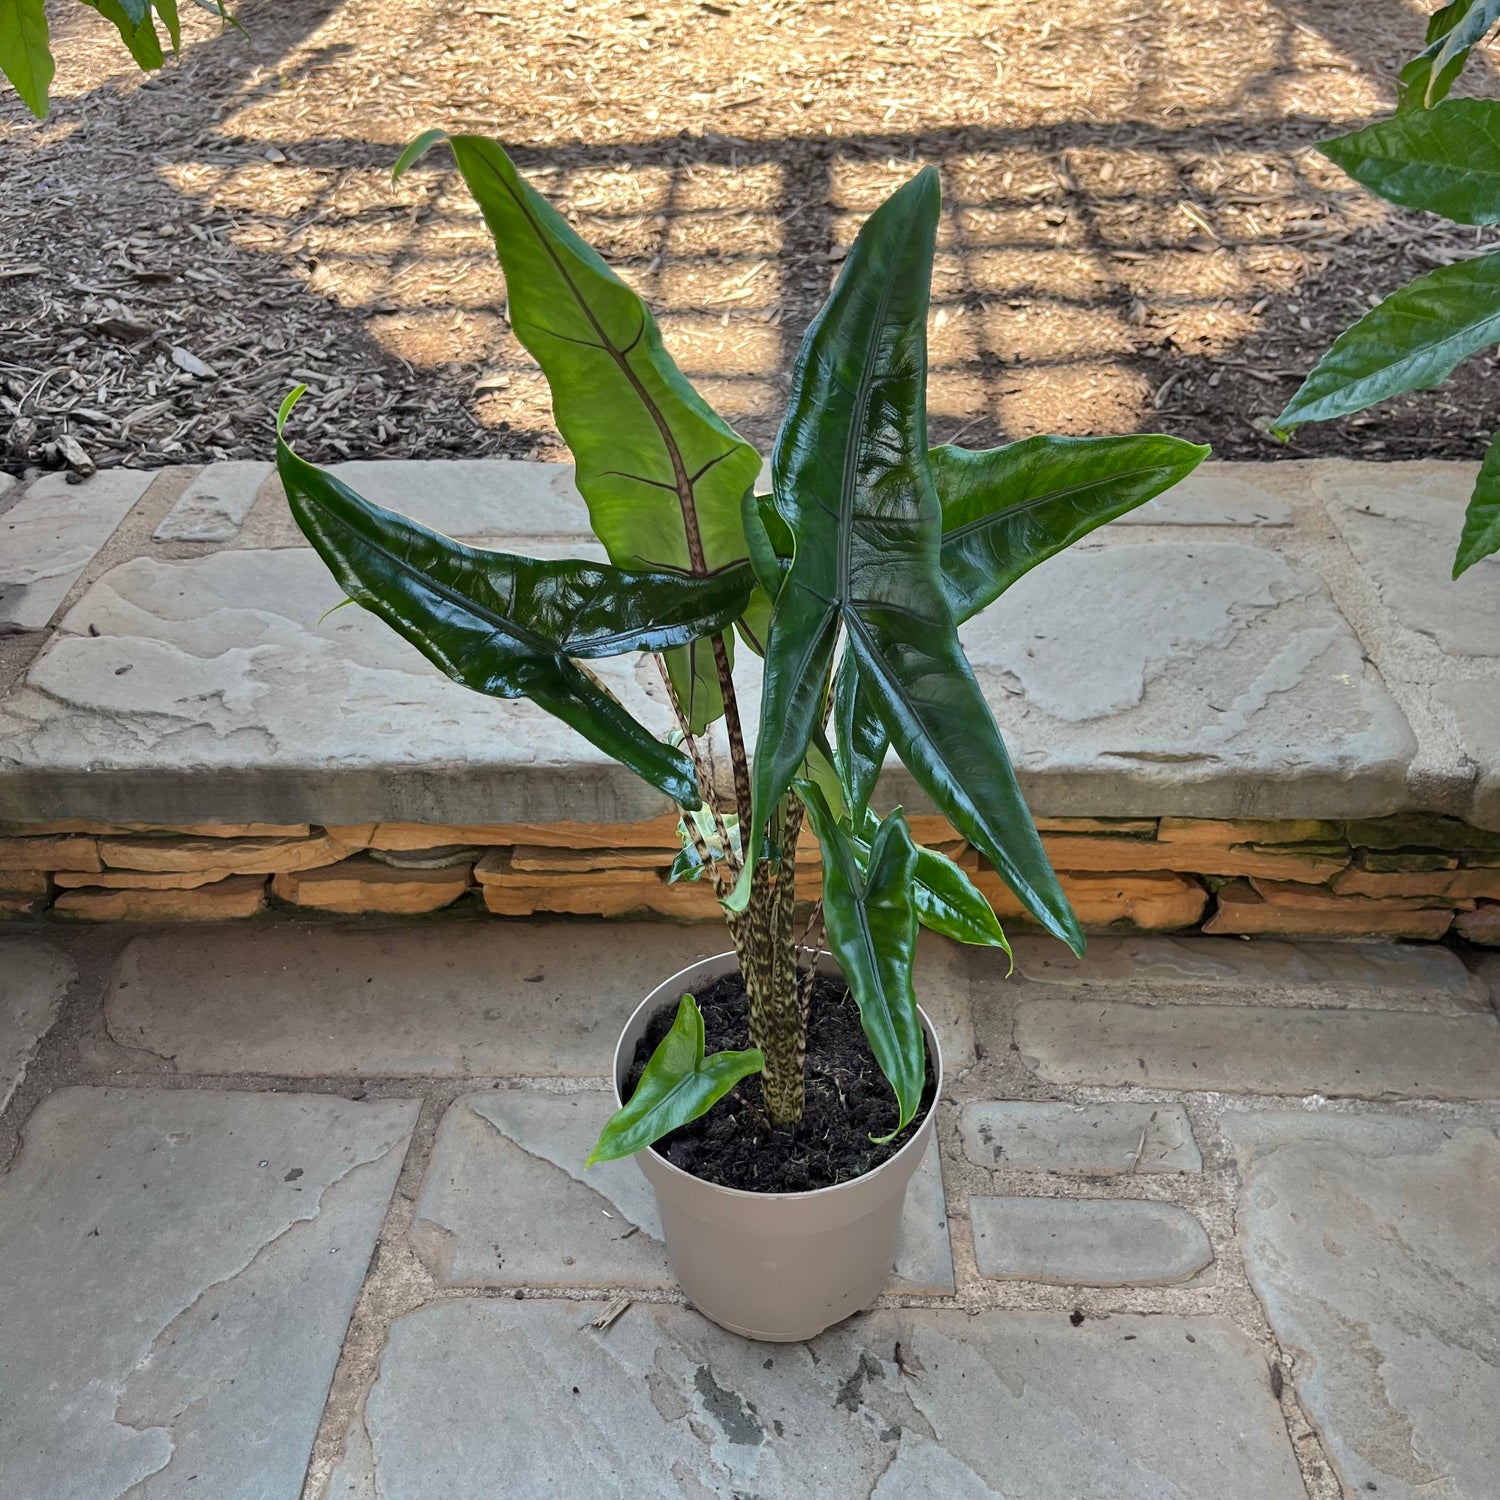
x=736, y=734
x=763, y=939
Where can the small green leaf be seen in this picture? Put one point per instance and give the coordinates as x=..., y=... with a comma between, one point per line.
x=1444, y=160
x=1452, y=33
x=25, y=57
x=167, y=10
x=1481, y=534
x=416, y=149
x=678, y=1085
x=138, y=35
x=1410, y=342
x=872, y=932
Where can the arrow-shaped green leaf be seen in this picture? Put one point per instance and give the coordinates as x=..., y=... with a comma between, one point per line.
x=1004, y=511
x=872, y=932
x=511, y=626
x=677, y=1086
x=662, y=473
x=1481, y=534
x=853, y=482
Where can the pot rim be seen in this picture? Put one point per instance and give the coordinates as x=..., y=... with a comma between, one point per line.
x=916, y=1146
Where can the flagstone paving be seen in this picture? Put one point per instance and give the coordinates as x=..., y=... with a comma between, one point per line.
x=298, y=1212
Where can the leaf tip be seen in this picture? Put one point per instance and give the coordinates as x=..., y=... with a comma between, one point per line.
x=290, y=400
x=416, y=149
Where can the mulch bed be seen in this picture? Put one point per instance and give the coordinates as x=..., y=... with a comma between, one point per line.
x=1137, y=234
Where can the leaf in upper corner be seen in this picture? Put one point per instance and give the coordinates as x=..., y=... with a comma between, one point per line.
x=509, y=626
x=654, y=461
x=1453, y=32
x=139, y=35
x=25, y=57
x=871, y=919
x=1444, y=160
x=853, y=480
x=1481, y=533
x=1004, y=511
x=1410, y=342
x=677, y=1086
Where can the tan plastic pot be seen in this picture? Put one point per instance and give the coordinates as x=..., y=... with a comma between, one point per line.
x=777, y=1266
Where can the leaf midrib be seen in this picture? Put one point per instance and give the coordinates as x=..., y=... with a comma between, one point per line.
x=996, y=517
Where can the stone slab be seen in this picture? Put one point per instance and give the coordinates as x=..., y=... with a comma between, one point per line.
x=240, y=701
x=34, y=977
x=179, y=1272
x=228, y=900
x=474, y=498
x=1210, y=496
x=1183, y=970
x=1402, y=527
x=52, y=533
x=1190, y=689
x=1087, y=1242
x=507, y=1201
x=1359, y=1054
x=456, y=1000
x=1371, y=1243
x=1104, y=1140
x=665, y=1406
x=1475, y=706
x=214, y=505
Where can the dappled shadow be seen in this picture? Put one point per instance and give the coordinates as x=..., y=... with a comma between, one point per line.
x=1157, y=265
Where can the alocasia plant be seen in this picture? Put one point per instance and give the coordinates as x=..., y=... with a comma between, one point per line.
x=1442, y=155
x=850, y=580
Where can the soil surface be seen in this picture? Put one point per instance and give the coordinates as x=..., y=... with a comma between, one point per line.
x=1137, y=234
x=848, y=1100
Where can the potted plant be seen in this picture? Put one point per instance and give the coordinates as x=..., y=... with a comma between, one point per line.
x=778, y=1096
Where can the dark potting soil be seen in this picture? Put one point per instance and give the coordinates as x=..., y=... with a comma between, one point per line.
x=848, y=1099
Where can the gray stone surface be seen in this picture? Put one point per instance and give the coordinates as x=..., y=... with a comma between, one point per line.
x=7, y=483
x=1403, y=530
x=178, y=1272
x=507, y=1201
x=214, y=505
x=34, y=977
x=50, y=535
x=665, y=1406
x=1087, y=1242
x=1372, y=1244
x=243, y=703
x=474, y=497
x=1190, y=681
x=1183, y=970
x=1213, y=495
x=1475, y=706
x=1105, y=1140
x=1361, y=1054
x=457, y=1000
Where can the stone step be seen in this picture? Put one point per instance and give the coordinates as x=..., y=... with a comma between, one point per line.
x=1096, y=1140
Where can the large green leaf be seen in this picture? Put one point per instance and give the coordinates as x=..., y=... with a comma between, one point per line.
x=1481, y=534
x=678, y=1085
x=25, y=58
x=1445, y=160
x=1004, y=511
x=662, y=473
x=1452, y=33
x=853, y=481
x=1410, y=342
x=872, y=932
x=510, y=626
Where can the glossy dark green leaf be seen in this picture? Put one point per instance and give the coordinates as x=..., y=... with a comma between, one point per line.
x=1410, y=342
x=677, y=1086
x=511, y=626
x=1481, y=533
x=25, y=57
x=872, y=931
x=663, y=475
x=1445, y=160
x=1452, y=33
x=947, y=901
x=852, y=479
